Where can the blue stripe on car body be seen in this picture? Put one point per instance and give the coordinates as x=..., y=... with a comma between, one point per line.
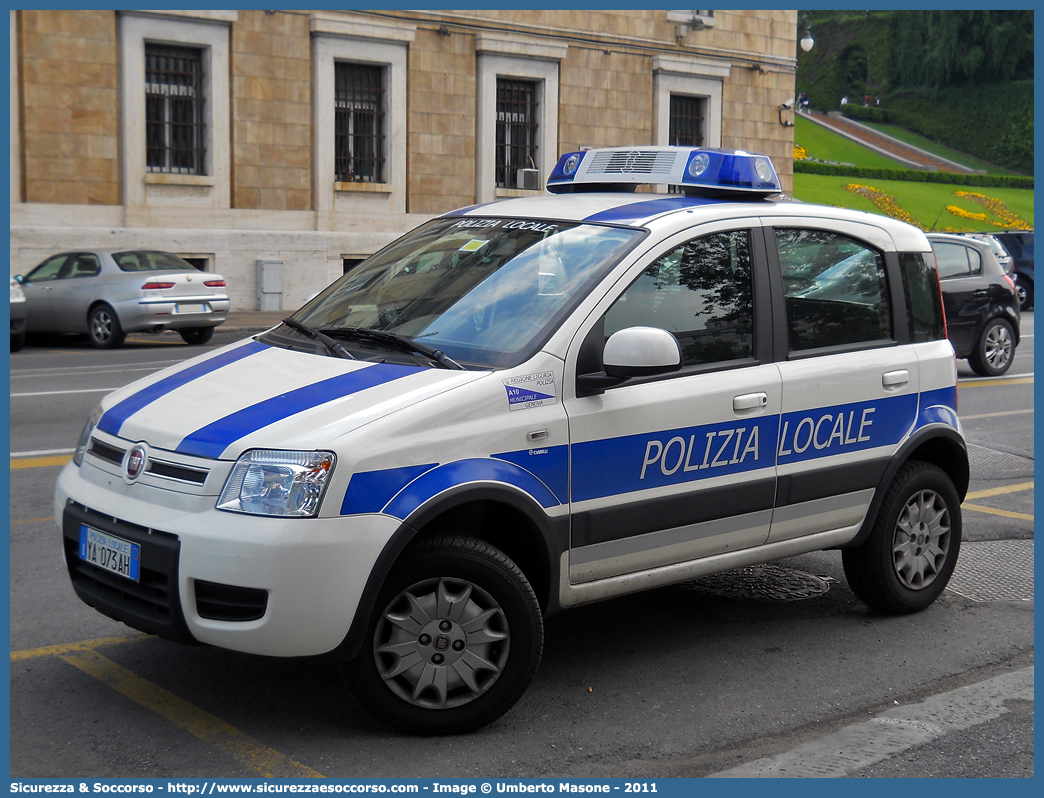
x=370, y=491
x=213, y=439
x=115, y=416
x=635, y=212
x=462, y=472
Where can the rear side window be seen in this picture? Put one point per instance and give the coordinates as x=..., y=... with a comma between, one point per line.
x=836, y=290
x=956, y=260
x=921, y=289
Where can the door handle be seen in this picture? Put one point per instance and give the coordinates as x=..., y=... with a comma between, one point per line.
x=895, y=379
x=749, y=401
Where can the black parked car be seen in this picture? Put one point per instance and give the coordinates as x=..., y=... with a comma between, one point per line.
x=1019, y=244
x=982, y=308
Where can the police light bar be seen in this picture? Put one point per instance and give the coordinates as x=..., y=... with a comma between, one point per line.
x=694, y=169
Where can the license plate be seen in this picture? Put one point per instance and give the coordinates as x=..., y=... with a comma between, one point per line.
x=114, y=554
x=191, y=308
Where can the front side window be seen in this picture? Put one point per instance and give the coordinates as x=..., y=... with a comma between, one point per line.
x=485, y=291
x=48, y=270
x=174, y=135
x=358, y=123
x=923, y=301
x=702, y=292
x=836, y=290
x=516, y=130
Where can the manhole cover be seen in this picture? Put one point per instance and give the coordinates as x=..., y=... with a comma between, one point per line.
x=762, y=582
x=994, y=570
x=991, y=464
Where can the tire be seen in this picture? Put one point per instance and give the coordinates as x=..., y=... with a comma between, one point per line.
x=196, y=336
x=454, y=640
x=994, y=351
x=1024, y=290
x=906, y=562
x=103, y=328
x=17, y=341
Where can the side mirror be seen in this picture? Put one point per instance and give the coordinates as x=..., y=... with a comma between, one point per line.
x=632, y=352
x=641, y=352
x=18, y=278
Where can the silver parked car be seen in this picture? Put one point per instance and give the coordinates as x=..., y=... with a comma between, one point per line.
x=108, y=293
x=17, y=316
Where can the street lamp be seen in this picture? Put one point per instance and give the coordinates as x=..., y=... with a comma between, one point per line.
x=806, y=35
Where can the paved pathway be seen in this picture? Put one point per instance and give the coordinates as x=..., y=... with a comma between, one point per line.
x=915, y=158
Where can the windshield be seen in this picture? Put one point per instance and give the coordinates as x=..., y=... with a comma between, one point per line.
x=485, y=291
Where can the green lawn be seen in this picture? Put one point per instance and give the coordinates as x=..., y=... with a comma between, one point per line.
x=925, y=202
x=826, y=145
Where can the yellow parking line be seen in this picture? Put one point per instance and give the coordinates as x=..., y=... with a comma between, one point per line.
x=68, y=648
x=32, y=520
x=994, y=511
x=211, y=730
x=996, y=415
x=1016, y=488
x=984, y=383
x=39, y=462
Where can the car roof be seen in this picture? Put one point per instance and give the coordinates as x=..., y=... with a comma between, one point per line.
x=641, y=209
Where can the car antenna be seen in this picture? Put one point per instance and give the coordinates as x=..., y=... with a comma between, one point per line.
x=937, y=218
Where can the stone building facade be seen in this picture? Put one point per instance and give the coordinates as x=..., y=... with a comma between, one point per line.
x=287, y=109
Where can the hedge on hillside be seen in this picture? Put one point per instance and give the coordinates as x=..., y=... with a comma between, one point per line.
x=911, y=175
x=868, y=113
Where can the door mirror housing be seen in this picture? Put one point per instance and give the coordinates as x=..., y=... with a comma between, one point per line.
x=19, y=278
x=641, y=352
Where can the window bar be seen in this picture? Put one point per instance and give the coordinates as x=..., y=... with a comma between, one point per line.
x=516, y=130
x=358, y=123
x=174, y=126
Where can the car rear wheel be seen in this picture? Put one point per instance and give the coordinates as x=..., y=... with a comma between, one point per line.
x=995, y=350
x=17, y=341
x=197, y=336
x=454, y=640
x=906, y=562
x=1024, y=289
x=103, y=328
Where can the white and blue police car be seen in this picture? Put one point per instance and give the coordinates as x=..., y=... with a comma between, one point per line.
x=530, y=405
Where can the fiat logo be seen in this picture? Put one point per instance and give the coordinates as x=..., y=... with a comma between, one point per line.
x=135, y=462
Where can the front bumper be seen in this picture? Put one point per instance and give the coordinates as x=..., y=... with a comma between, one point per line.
x=304, y=576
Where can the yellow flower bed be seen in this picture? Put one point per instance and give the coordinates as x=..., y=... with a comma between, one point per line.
x=994, y=206
x=884, y=202
x=800, y=153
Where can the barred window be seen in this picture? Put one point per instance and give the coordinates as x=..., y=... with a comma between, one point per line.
x=174, y=135
x=686, y=128
x=516, y=130
x=358, y=123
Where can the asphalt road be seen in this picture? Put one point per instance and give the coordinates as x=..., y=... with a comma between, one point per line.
x=683, y=681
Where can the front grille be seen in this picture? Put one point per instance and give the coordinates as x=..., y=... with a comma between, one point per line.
x=218, y=602
x=639, y=162
x=181, y=473
x=104, y=451
x=151, y=604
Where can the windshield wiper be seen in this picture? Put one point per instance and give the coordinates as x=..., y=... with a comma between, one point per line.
x=322, y=338
x=401, y=341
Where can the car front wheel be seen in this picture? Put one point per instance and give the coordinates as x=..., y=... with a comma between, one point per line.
x=906, y=562
x=103, y=328
x=454, y=640
x=994, y=351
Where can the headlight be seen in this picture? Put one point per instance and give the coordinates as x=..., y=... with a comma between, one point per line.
x=85, y=436
x=266, y=482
